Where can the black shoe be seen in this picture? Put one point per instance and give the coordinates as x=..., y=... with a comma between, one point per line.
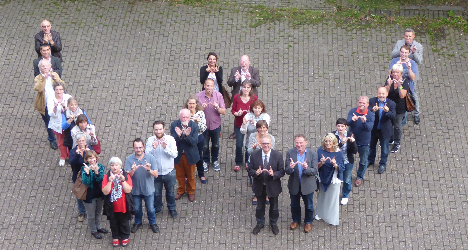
x=102, y=230
x=381, y=169
x=157, y=211
x=370, y=163
x=257, y=229
x=54, y=145
x=416, y=120
x=155, y=228
x=173, y=213
x=97, y=235
x=275, y=229
x=395, y=148
x=135, y=228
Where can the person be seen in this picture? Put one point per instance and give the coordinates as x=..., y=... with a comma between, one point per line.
x=43, y=84
x=142, y=169
x=300, y=165
x=198, y=116
x=360, y=123
x=397, y=88
x=266, y=168
x=212, y=71
x=185, y=133
x=239, y=75
x=56, y=106
x=330, y=168
x=92, y=175
x=76, y=160
x=69, y=118
x=48, y=36
x=83, y=125
x=163, y=148
x=118, y=204
x=249, y=124
x=384, y=110
x=416, y=52
x=54, y=61
x=240, y=107
x=410, y=71
x=213, y=107
x=254, y=143
x=347, y=145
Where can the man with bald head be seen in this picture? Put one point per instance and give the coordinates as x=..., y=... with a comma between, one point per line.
x=185, y=133
x=385, y=111
x=360, y=122
x=48, y=36
x=239, y=75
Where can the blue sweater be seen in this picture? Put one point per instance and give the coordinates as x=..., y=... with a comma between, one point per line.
x=361, y=130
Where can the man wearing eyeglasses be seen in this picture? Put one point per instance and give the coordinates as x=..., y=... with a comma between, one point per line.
x=54, y=61
x=48, y=36
x=266, y=168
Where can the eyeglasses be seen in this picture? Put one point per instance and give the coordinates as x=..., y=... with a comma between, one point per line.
x=47, y=26
x=266, y=143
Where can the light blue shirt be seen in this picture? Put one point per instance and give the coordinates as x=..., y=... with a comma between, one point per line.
x=300, y=159
x=164, y=156
x=143, y=181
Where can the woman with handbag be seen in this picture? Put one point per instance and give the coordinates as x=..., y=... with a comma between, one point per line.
x=76, y=161
x=92, y=175
x=397, y=88
x=118, y=205
x=240, y=107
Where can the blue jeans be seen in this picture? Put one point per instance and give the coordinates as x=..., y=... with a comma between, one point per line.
x=81, y=207
x=214, y=136
x=50, y=134
x=239, y=145
x=397, y=127
x=168, y=181
x=347, y=179
x=200, y=144
x=363, y=154
x=377, y=136
x=296, y=207
x=149, y=204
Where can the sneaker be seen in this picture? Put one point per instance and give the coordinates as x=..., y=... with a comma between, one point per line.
x=416, y=120
x=53, y=145
x=205, y=166
x=344, y=201
x=395, y=148
x=173, y=213
x=81, y=217
x=317, y=217
x=216, y=166
x=62, y=162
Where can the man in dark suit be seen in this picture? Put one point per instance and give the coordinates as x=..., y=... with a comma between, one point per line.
x=48, y=36
x=301, y=166
x=384, y=110
x=45, y=52
x=185, y=133
x=266, y=168
x=239, y=75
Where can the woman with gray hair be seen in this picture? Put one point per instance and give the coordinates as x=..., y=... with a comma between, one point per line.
x=397, y=88
x=330, y=167
x=77, y=155
x=118, y=205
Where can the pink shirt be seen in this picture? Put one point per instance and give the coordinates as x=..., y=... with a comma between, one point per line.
x=213, y=117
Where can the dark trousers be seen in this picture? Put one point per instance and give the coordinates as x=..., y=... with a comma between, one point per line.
x=200, y=145
x=260, y=211
x=296, y=207
x=120, y=226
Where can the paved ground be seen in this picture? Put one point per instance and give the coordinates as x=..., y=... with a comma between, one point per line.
x=129, y=64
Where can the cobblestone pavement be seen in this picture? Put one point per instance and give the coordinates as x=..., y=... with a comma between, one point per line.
x=129, y=64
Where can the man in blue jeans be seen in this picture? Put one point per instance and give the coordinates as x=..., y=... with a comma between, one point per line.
x=213, y=107
x=385, y=111
x=163, y=148
x=142, y=169
x=360, y=122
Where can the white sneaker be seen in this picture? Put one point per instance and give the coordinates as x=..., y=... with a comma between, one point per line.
x=317, y=217
x=62, y=162
x=344, y=201
x=216, y=166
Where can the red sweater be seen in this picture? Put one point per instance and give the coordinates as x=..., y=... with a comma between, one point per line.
x=238, y=104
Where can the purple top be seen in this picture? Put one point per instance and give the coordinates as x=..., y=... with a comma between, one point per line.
x=213, y=117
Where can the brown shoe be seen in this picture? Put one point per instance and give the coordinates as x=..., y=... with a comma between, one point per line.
x=293, y=225
x=232, y=136
x=307, y=227
x=177, y=196
x=358, y=182
x=191, y=197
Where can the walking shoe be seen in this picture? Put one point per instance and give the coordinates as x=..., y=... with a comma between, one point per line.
x=103, y=230
x=257, y=229
x=416, y=120
x=81, y=217
x=135, y=228
x=62, y=162
x=344, y=201
x=173, y=213
x=205, y=166
x=216, y=166
x=155, y=228
x=395, y=148
x=97, y=235
x=317, y=217
x=381, y=169
x=53, y=145
x=232, y=136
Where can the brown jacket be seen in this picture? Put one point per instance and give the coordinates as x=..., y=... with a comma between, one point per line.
x=39, y=86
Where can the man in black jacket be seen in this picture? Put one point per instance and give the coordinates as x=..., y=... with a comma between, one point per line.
x=48, y=36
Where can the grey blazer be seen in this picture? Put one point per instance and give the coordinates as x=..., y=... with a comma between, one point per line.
x=236, y=85
x=308, y=182
x=417, y=57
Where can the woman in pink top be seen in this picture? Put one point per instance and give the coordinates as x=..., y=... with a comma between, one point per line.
x=240, y=107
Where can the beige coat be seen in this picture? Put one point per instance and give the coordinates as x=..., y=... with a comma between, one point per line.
x=39, y=86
